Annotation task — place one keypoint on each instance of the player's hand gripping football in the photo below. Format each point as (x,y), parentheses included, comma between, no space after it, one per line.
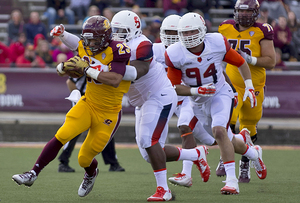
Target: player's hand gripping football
(57,30)
(204,90)
(75,67)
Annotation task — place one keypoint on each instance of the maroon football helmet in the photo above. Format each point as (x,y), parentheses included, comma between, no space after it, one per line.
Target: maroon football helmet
(246,20)
(99,29)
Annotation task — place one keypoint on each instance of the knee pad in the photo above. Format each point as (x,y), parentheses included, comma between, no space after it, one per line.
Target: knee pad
(84,161)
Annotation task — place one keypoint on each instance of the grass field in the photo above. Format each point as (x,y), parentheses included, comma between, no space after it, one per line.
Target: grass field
(137,183)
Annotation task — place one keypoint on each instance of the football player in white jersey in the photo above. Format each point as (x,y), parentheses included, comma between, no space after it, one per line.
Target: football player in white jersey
(197,61)
(155,100)
(186,118)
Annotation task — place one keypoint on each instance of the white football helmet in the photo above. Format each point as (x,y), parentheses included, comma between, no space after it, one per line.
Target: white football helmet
(126,25)
(188,22)
(169,23)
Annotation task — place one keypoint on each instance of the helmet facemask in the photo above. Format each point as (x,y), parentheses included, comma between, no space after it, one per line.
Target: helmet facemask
(99,45)
(191,41)
(169,37)
(121,34)
(246,19)
(191,30)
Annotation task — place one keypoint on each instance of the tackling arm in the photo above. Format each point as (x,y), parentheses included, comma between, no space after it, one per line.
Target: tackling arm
(142,67)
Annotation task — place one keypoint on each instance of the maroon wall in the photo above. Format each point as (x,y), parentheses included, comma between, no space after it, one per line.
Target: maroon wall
(44,91)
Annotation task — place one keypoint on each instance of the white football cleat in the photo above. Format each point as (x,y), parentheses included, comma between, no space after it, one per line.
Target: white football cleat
(26,178)
(181,179)
(160,195)
(260,168)
(231,187)
(246,135)
(202,164)
(87,184)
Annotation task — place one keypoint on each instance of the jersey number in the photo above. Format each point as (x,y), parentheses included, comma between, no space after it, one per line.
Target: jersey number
(195,73)
(243,44)
(123,48)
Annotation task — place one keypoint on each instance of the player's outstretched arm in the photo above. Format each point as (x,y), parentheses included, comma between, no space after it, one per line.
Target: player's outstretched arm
(70,40)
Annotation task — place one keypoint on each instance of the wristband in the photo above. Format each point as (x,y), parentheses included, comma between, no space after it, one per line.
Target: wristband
(59,68)
(253,60)
(248,83)
(194,91)
(130,73)
(93,73)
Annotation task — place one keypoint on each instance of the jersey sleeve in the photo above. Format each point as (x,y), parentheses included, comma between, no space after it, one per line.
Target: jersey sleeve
(144,51)
(121,57)
(234,58)
(267,30)
(173,73)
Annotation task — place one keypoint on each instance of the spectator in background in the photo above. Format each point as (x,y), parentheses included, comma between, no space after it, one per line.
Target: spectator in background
(203,5)
(80,9)
(153,3)
(34,27)
(296,42)
(16,25)
(58,10)
(283,38)
(36,40)
(276,8)
(280,65)
(43,50)
(101,4)
(93,10)
(264,16)
(61,57)
(177,7)
(17,48)
(108,13)
(54,44)
(4,55)
(292,22)
(207,22)
(154,29)
(62,49)
(30,59)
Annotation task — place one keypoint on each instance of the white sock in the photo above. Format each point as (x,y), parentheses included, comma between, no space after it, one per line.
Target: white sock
(239,136)
(161,179)
(251,153)
(230,169)
(188,154)
(187,167)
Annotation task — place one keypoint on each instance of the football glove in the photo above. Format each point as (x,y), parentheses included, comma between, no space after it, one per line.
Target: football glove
(204,90)
(249,59)
(249,92)
(74,67)
(236,101)
(57,30)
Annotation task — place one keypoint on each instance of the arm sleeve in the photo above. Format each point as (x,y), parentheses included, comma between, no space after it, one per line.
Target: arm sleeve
(234,58)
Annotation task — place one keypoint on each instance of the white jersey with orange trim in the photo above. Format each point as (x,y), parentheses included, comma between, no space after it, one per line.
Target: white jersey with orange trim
(156,79)
(203,69)
(159,56)
(159,53)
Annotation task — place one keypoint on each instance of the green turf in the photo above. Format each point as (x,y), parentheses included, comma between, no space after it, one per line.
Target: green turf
(137,183)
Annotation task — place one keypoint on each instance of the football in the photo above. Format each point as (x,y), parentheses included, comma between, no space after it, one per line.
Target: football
(74,73)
